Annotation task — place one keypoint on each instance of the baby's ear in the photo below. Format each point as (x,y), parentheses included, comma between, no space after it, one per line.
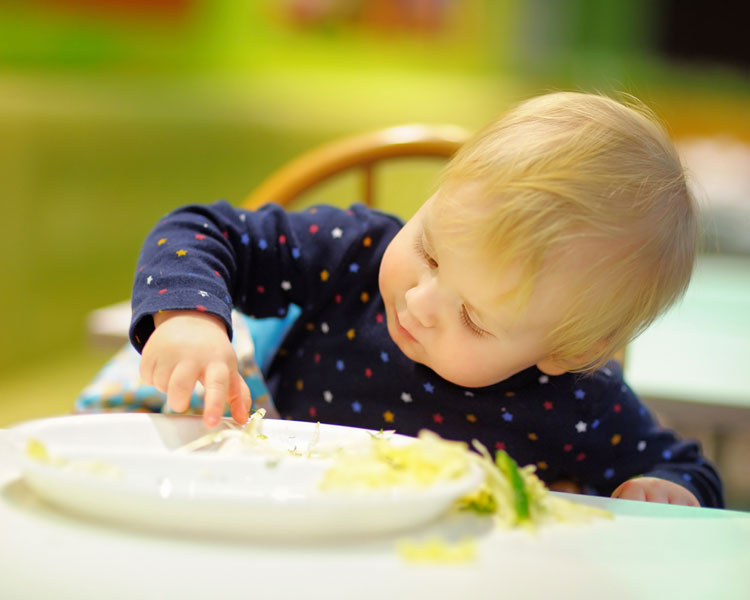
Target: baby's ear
(553,365)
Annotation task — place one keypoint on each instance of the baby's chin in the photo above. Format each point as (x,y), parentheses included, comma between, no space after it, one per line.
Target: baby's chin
(469,380)
(458,379)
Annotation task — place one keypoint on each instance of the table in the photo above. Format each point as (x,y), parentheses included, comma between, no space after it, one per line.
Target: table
(647,551)
(693,364)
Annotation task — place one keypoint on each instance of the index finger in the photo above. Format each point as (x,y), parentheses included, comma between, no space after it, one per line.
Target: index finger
(216,384)
(239,398)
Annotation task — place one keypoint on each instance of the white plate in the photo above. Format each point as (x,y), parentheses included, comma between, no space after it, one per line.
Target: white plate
(206,492)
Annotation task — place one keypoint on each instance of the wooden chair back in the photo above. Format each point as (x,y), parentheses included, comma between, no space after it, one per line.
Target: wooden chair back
(363,153)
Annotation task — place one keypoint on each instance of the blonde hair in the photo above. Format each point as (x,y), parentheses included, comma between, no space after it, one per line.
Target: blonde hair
(570,167)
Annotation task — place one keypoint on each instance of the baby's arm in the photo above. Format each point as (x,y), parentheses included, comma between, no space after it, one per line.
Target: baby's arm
(190,346)
(621,450)
(654,489)
(205,260)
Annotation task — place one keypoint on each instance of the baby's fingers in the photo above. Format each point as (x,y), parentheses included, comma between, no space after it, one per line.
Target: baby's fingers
(146,368)
(216,383)
(654,489)
(630,491)
(239,399)
(161,374)
(181,385)
(679,495)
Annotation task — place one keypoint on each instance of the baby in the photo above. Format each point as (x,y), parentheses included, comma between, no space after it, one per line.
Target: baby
(556,235)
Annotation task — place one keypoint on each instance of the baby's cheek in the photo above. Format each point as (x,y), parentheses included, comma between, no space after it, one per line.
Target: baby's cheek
(462,368)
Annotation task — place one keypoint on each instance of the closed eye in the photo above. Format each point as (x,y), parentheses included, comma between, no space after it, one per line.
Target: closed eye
(419,247)
(473,327)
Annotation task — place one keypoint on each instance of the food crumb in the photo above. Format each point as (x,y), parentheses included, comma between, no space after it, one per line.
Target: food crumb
(437,550)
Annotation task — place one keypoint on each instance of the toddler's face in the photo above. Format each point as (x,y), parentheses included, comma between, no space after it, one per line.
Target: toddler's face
(443,310)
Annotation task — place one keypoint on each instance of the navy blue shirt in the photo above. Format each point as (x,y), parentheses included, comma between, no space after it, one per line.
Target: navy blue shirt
(338,364)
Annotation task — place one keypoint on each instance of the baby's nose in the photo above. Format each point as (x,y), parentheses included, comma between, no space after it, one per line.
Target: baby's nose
(421,302)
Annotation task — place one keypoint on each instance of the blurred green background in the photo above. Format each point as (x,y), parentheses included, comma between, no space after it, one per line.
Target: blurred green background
(113,112)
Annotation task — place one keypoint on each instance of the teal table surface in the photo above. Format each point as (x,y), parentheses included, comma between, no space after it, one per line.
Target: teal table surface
(695,360)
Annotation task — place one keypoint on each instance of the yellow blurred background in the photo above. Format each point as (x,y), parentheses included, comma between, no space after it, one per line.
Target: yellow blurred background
(113,112)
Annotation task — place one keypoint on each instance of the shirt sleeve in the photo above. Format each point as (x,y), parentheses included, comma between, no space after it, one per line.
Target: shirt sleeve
(212,258)
(618,438)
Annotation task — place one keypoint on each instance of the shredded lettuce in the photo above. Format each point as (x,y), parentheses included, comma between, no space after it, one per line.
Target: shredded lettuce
(517,497)
(37,451)
(249,439)
(419,464)
(247,435)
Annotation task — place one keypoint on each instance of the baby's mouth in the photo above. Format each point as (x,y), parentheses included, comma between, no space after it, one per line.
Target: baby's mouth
(404,331)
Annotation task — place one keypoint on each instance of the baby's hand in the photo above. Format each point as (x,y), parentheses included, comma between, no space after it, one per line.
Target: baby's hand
(653,489)
(187,347)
